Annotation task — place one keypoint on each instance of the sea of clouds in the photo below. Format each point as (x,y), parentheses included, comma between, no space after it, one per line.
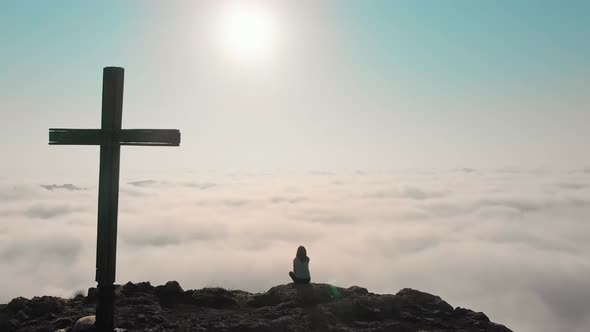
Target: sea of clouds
(511,243)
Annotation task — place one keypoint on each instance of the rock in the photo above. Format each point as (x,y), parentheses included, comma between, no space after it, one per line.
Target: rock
(304,295)
(11,324)
(171,293)
(131,288)
(62,322)
(84,324)
(493,327)
(41,329)
(290,307)
(46,305)
(210,297)
(471,314)
(173,287)
(358,290)
(92,295)
(425,300)
(142,287)
(20,315)
(16,304)
(264,300)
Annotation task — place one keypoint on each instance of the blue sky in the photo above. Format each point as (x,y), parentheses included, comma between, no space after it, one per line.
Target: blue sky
(355,84)
(463,41)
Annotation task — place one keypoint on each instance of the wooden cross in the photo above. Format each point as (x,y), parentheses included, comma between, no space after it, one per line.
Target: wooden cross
(110,138)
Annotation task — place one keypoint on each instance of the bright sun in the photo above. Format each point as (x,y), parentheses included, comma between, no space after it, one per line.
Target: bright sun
(248,32)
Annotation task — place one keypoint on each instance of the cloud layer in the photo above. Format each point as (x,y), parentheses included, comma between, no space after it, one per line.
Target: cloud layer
(511,244)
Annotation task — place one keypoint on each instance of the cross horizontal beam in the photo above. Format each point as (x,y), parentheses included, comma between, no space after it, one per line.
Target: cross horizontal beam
(58,136)
(137,137)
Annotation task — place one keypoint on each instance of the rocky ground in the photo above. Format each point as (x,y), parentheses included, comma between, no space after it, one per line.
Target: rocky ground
(315,307)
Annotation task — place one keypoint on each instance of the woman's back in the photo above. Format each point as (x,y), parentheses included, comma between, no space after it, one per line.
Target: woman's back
(301,268)
(300,273)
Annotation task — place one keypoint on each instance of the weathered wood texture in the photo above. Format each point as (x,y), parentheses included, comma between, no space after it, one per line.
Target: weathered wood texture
(59,136)
(150,137)
(108,187)
(137,137)
(108,196)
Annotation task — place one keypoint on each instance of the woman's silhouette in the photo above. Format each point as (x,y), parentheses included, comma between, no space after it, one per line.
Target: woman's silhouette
(300,273)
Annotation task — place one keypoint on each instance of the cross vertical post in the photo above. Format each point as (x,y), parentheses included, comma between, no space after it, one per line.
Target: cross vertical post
(108,196)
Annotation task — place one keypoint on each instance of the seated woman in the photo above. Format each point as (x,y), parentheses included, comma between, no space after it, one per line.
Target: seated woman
(300,273)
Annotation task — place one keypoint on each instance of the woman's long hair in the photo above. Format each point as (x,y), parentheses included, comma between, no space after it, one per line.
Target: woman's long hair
(302,254)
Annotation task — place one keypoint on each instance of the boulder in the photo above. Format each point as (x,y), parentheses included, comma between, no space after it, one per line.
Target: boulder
(171,293)
(85,324)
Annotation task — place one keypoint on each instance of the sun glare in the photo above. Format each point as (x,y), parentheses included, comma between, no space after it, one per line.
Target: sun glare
(248,32)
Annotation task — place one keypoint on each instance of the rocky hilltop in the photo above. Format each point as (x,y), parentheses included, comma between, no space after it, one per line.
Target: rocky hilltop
(314,307)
